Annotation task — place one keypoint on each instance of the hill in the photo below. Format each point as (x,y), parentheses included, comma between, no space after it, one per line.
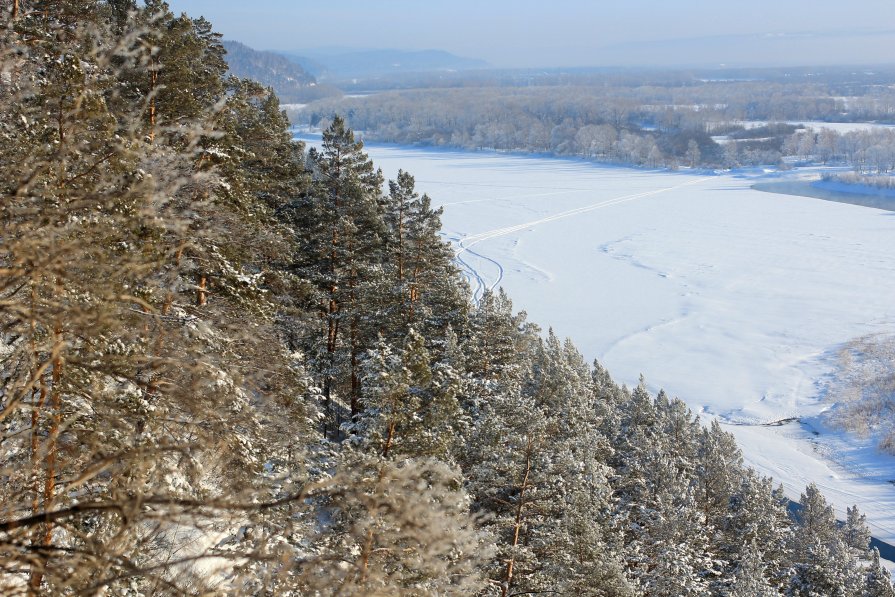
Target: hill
(289,80)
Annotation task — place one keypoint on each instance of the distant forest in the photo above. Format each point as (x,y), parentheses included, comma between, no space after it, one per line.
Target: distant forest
(667,121)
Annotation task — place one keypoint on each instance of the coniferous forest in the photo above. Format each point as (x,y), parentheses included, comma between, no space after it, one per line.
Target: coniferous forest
(229,366)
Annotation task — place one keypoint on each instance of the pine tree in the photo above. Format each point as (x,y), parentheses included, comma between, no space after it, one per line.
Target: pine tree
(826,569)
(444,420)
(183,74)
(341,240)
(386,528)
(433,295)
(73,211)
(855,533)
(669,540)
(719,464)
(261,164)
(397,215)
(750,577)
(817,523)
(577,549)
(395,384)
(123,399)
(824,563)
(719,472)
(878,580)
(495,346)
(758,514)
(414,400)
(534,470)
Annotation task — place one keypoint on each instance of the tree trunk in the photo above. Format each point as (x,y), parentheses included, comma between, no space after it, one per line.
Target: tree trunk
(332,334)
(201,293)
(49,493)
(332,323)
(40,393)
(36,575)
(505,587)
(353,335)
(389,438)
(153,82)
(401,256)
(355,377)
(55,424)
(414,292)
(35,447)
(169,298)
(365,556)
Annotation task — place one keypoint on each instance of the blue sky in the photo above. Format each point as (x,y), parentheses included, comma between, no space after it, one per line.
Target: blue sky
(571,32)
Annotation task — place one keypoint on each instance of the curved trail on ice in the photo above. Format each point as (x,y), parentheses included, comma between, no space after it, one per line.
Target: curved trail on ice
(465,244)
(472,274)
(481,286)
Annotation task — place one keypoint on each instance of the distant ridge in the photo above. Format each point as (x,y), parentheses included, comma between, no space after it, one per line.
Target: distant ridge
(291,82)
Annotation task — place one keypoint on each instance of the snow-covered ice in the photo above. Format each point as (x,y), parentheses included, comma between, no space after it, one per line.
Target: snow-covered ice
(733,299)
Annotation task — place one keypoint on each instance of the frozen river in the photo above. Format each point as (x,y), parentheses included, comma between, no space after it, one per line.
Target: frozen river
(732,299)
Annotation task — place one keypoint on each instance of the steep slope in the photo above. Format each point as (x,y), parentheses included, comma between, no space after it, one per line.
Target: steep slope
(290,81)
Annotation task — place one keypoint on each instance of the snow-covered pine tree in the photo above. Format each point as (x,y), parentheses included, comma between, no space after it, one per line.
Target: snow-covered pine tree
(397,213)
(878,580)
(856,533)
(667,546)
(407,412)
(577,548)
(497,340)
(387,528)
(719,473)
(826,569)
(425,289)
(121,398)
(719,464)
(824,564)
(817,523)
(758,514)
(534,471)
(341,236)
(750,576)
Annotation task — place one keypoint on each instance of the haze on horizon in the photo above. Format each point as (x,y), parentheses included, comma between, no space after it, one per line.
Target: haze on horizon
(570,33)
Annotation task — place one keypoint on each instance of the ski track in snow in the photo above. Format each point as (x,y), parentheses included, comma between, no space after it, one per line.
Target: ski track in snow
(466,243)
(513,197)
(491,285)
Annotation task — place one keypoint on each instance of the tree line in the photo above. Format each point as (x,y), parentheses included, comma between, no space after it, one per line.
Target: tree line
(232,366)
(868,152)
(695,125)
